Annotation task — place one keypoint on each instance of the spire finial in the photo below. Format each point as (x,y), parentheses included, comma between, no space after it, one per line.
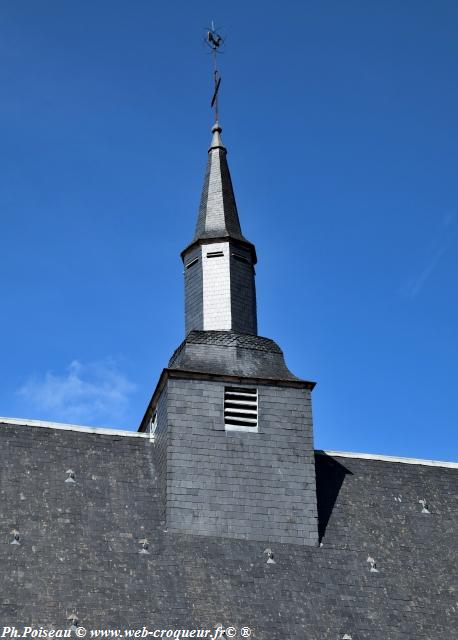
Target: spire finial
(215,41)
(216,142)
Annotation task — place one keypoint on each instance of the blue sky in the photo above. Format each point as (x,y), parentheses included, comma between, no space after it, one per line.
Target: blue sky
(341,124)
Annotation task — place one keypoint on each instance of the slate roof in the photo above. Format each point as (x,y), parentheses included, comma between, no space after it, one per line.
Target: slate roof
(80,547)
(218,216)
(231,353)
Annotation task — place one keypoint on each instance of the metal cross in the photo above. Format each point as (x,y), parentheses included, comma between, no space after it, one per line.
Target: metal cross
(214,41)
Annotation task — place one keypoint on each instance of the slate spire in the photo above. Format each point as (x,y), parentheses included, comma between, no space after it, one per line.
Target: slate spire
(218,216)
(220,293)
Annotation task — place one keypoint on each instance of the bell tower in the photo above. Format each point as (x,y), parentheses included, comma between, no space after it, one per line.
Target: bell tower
(232,426)
(219,263)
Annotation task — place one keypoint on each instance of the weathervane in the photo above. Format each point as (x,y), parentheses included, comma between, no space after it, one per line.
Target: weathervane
(214,40)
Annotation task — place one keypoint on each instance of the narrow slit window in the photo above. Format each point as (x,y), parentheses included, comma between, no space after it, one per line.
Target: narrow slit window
(240,409)
(192,263)
(215,254)
(240,258)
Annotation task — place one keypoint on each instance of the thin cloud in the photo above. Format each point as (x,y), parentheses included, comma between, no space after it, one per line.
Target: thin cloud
(416,284)
(85,392)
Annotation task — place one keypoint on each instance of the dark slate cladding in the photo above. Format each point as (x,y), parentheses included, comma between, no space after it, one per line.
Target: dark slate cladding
(243,291)
(220,292)
(231,353)
(218,216)
(232,339)
(194,312)
(79,549)
(255,485)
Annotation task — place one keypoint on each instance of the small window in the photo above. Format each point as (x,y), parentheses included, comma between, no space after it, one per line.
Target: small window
(215,254)
(240,409)
(192,263)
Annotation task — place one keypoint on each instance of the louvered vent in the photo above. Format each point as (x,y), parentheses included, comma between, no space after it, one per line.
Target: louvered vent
(240,408)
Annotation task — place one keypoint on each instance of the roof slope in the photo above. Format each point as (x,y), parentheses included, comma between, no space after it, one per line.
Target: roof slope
(79,548)
(218,216)
(231,353)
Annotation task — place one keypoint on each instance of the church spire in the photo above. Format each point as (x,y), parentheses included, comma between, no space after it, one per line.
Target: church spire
(220,293)
(219,263)
(218,216)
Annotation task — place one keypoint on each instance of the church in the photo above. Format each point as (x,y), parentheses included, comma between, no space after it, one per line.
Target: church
(217,518)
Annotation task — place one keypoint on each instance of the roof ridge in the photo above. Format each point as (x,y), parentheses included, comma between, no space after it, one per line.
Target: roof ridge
(107,431)
(384,458)
(26,422)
